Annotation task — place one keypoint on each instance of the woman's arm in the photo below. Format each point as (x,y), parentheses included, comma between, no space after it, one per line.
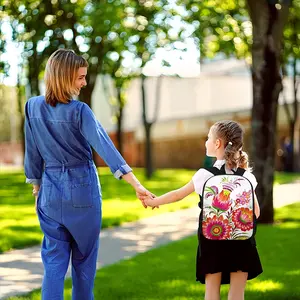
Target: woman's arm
(33,161)
(98,138)
(141,192)
(172,196)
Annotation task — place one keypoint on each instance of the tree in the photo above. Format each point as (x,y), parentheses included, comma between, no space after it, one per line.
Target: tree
(151,27)
(86,27)
(268,20)
(94,29)
(290,59)
(121,78)
(4,67)
(232,27)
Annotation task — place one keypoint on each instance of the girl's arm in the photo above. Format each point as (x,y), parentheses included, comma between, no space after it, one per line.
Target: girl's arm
(172,196)
(256,207)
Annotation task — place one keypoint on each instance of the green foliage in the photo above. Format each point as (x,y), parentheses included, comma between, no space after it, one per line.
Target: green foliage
(221,27)
(291,49)
(98,30)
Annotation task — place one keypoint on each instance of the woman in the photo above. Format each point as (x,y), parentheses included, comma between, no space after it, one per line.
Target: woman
(59,134)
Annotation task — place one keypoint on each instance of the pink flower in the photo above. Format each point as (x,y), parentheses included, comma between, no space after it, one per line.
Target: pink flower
(216,228)
(243,198)
(243,218)
(222,201)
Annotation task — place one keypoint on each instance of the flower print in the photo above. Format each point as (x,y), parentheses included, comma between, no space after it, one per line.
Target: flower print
(221,202)
(216,228)
(244,198)
(211,191)
(243,218)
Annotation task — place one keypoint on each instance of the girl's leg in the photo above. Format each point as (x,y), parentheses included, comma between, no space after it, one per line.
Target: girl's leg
(238,282)
(212,286)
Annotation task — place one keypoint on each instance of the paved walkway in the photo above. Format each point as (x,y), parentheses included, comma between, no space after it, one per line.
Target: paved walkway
(21,270)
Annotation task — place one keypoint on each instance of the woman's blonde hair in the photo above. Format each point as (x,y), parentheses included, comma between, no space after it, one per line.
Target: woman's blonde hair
(231,133)
(60,75)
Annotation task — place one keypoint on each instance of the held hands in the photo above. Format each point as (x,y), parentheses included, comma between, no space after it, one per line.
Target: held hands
(143,194)
(149,201)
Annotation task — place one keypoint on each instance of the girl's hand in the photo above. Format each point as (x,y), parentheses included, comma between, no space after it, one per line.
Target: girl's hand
(149,201)
(143,193)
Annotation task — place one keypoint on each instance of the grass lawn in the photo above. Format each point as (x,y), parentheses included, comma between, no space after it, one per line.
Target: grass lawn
(168,272)
(19,225)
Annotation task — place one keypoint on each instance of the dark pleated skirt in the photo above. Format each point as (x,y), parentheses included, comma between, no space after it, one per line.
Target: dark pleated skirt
(227,257)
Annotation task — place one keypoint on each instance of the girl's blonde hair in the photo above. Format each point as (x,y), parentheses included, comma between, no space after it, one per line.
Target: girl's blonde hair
(60,75)
(231,133)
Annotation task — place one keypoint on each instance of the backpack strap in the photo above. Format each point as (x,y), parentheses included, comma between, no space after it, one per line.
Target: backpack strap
(213,170)
(239,171)
(221,171)
(216,171)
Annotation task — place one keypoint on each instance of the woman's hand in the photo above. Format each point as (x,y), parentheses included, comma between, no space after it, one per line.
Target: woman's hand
(35,193)
(149,201)
(142,193)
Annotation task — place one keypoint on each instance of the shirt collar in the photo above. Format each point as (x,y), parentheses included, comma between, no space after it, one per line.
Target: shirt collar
(219,163)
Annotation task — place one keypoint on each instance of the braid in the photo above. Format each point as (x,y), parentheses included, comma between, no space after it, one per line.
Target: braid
(231,133)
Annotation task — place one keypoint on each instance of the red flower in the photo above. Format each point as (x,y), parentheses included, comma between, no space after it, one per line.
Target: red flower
(243,218)
(216,228)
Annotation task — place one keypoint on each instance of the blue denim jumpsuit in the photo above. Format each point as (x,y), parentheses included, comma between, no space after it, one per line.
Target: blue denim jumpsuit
(58,157)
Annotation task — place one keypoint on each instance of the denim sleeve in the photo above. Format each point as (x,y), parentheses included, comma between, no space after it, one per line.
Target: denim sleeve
(33,162)
(97,137)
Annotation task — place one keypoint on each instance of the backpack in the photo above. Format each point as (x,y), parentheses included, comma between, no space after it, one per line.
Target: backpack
(227,206)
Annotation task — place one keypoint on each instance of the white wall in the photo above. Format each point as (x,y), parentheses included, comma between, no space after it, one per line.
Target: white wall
(181,99)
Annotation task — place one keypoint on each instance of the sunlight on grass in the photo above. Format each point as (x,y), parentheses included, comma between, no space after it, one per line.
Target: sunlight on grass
(264,286)
(168,272)
(282,178)
(172,284)
(294,272)
(19,225)
(289,225)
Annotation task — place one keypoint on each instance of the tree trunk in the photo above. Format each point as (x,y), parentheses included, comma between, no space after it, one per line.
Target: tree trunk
(297,145)
(293,128)
(20,96)
(33,74)
(120,121)
(148,159)
(268,23)
(147,127)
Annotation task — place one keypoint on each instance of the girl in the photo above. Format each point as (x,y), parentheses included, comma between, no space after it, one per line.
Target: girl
(226,261)
(59,133)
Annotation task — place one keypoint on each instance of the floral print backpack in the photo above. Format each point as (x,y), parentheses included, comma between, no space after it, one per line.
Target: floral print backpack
(227,206)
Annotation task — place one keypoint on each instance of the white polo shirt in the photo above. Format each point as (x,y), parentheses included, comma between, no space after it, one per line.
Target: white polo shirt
(202,175)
